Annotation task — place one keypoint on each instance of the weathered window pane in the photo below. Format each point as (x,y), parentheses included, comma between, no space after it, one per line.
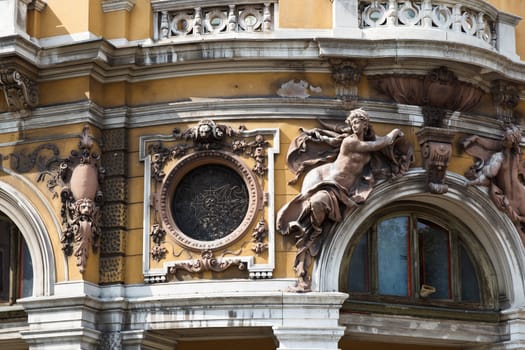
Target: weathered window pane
(434,258)
(358,271)
(392,256)
(26,278)
(469,280)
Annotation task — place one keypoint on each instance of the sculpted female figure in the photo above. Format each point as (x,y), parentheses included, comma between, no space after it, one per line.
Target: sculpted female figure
(499,168)
(332,189)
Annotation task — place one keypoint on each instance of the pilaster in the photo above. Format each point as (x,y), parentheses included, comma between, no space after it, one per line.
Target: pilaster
(61,322)
(310,321)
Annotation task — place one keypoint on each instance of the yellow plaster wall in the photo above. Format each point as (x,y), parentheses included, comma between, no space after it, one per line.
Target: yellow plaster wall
(141,21)
(62,91)
(305,14)
(116,24)
(61,17)
(224,85)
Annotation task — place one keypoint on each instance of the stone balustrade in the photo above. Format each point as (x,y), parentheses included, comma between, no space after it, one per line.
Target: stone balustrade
(472,18)
(188,18)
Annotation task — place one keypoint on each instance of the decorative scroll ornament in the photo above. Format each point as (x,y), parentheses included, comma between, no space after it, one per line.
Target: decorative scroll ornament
(79,176)
(346,75)
(499,167)
(20,92)
(436,150)
(207,262)
(342,176)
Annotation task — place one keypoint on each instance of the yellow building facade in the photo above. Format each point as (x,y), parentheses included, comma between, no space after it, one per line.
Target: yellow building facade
(150,150)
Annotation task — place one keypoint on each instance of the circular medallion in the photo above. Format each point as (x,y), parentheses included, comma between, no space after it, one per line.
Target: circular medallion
(208,200)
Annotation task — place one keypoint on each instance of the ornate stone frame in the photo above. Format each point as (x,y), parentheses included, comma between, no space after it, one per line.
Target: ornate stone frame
(246,260)
(191,162)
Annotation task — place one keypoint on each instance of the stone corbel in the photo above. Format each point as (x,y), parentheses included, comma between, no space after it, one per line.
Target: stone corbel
(346,75)
(506,97)
(20,92)
(436,150)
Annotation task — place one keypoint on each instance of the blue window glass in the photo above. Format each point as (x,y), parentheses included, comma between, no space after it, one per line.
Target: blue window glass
(469,280)
(434,256)
(393,256)
(358,271)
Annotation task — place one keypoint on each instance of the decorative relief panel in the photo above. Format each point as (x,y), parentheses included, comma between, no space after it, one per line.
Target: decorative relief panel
(465,18)
(207,186)
(185,18)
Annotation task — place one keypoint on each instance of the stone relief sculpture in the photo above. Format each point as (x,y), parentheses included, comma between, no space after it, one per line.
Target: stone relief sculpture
(498,166)
(345,164)
(79,175)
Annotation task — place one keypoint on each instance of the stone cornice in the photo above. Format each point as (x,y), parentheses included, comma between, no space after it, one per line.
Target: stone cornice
(239,109)
(106,63)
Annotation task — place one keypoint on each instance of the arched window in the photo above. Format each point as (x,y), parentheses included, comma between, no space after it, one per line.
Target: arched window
(415,254)
(16,269)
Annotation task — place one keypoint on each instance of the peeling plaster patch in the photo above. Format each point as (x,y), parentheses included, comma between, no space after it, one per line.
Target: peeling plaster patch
(297,89)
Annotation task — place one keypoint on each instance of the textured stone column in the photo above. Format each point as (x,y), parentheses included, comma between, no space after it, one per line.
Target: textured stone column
(310,321)
(114,216)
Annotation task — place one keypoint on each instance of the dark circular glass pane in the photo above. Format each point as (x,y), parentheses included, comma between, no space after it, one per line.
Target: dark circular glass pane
(210,202)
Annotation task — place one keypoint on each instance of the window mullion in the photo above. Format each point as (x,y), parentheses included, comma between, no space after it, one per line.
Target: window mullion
(13,264)
(414,261)
(374,272)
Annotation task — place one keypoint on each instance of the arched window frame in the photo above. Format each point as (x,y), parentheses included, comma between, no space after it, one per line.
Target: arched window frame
(492,228)
(459,235)
(16,206)
(15,264)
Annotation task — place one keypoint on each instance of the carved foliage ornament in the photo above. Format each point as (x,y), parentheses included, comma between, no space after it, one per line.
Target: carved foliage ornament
(20,92)
(79,177)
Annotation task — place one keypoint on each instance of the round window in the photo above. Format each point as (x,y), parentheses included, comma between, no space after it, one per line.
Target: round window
(208,200)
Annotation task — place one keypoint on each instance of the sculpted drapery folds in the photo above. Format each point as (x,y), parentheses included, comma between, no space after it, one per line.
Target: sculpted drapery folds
(343,164)
(498,166)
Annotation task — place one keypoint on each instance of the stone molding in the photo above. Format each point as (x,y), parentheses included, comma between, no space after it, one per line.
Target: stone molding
(117,5)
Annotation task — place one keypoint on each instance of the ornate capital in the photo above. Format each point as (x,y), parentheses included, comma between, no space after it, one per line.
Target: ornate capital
(506,97)
(20,92)
(346,75)
(436,150)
